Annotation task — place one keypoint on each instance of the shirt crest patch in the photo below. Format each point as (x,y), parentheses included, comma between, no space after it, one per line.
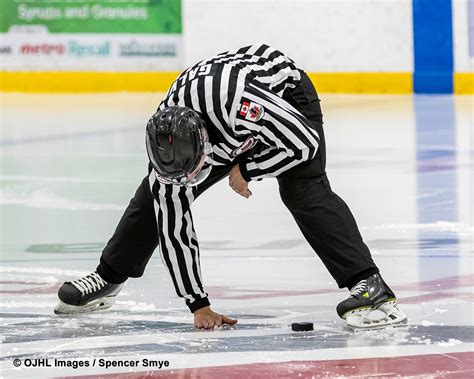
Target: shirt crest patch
(251,111)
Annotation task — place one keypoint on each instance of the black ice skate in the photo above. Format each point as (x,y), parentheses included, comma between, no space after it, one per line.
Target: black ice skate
(372,304)
(86,294)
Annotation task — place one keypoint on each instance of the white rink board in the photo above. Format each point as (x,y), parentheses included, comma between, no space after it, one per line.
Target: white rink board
(321,35)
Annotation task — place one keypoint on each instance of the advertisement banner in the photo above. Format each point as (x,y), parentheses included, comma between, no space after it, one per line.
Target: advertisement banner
(91,35)
(93,16)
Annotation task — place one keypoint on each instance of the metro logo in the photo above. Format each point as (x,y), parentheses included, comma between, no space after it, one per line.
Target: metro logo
(46,49)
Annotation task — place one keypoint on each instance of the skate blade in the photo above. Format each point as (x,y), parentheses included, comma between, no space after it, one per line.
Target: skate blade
(62,308)
(387,314)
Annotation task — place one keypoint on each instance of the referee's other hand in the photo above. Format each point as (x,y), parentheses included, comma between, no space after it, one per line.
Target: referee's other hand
(206,318)
(238,183)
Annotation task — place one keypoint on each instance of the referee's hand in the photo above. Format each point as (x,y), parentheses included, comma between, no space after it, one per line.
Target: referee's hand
(238,183)
(206,318)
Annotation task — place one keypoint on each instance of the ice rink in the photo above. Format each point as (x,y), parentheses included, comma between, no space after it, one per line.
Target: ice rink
(404,164)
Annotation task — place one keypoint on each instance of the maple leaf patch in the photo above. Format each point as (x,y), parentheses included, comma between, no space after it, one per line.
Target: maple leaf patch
(251,111)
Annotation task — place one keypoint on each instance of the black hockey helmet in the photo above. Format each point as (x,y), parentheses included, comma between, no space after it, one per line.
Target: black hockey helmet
(178,146)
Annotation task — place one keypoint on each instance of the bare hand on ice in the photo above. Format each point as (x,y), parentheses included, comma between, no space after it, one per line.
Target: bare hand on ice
(208,319)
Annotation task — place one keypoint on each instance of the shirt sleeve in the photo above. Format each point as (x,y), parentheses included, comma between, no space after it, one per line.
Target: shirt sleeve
(178,244)
(271,120)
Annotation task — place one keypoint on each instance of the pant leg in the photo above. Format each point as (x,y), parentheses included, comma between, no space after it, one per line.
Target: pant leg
(134,240)
(322,216)
(136,236)
(329,227)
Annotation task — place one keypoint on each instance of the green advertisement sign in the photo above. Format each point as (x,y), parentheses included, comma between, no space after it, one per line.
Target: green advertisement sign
(93,16)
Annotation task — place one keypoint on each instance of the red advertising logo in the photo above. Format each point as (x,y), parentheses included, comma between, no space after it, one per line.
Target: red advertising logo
(43,49)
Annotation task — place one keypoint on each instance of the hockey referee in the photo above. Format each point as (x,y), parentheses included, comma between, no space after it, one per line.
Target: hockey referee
(246,114)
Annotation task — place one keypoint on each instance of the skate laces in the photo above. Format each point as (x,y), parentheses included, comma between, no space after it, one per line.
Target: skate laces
(90,283)
(359,288)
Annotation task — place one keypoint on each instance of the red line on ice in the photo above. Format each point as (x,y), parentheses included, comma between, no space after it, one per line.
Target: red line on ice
(45,287)
(452,365)
(435,285)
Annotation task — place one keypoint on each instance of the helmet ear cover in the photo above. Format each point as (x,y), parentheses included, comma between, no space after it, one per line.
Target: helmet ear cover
(175,143)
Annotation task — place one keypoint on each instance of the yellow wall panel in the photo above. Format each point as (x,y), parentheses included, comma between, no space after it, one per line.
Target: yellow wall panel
(367,82)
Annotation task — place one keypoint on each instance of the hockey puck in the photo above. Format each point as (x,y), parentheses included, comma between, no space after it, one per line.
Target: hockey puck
(302,326)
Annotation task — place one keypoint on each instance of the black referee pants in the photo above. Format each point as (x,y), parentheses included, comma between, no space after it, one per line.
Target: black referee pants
(322,216)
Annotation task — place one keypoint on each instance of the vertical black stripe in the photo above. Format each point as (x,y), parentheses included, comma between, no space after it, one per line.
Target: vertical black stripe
(187,239)
(261,50)
(243,50)
(176,93)
(201,94)
(194,241)
(231,88)
(164,249)
(176,244)
(216,100)
(187,95)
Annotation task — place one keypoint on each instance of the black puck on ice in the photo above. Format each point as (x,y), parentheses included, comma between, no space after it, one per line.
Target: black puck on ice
(302,326)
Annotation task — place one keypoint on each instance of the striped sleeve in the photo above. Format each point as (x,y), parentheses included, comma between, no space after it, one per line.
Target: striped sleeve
(271,120)
(178,245)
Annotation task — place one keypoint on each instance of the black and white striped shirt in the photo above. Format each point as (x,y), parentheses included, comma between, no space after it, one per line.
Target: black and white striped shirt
(239,94)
